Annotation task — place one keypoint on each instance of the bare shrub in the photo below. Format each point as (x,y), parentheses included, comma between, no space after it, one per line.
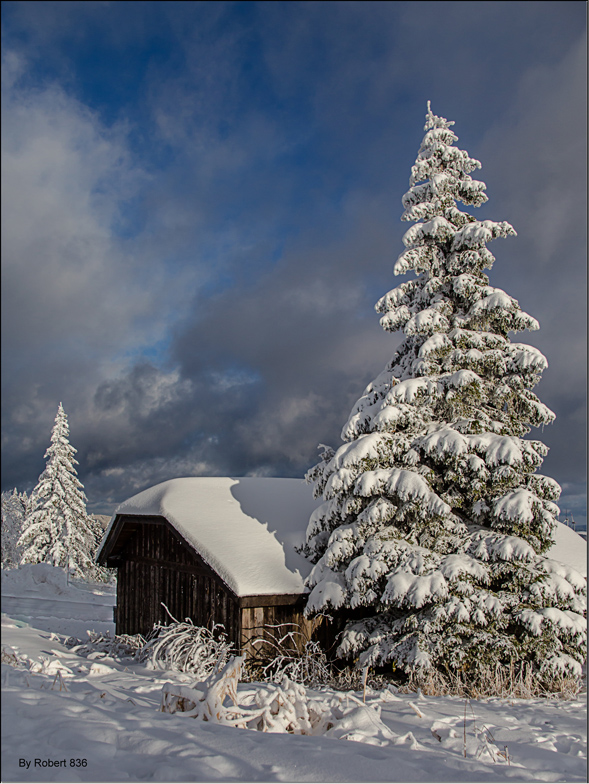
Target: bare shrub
(11,657)
(287,651)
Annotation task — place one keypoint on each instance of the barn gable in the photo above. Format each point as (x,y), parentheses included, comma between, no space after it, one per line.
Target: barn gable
(215,549)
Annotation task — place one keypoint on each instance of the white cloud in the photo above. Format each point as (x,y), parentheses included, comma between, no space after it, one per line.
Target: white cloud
(80,298)
(67,278)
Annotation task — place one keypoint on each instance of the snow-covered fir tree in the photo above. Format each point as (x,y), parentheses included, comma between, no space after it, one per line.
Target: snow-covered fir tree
(57,529)
(434,522)
(14,511)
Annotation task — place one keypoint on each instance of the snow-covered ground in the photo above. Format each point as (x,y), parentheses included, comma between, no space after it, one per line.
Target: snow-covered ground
(100,719)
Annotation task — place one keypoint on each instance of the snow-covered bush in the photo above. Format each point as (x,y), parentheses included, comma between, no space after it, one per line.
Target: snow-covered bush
(179,646)
(184,647)
(57,529)
(284,707)
(431,536)
(117,646)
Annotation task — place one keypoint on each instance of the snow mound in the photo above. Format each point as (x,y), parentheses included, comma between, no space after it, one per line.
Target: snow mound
(31,577)
(569,548)
(41,579)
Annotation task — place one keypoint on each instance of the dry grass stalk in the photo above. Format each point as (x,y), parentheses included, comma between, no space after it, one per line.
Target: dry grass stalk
(59,677)
(512,682)
(116,646)
(286,650)
(184,647)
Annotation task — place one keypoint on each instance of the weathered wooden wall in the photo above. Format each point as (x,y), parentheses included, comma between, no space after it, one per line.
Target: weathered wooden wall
(274,621)
(156,568)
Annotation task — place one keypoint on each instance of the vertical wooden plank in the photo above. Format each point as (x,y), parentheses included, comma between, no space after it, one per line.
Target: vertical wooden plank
(140,575)
(208,600)
(238,625)
(143,594)
(140,582)
(259,621)
(156,592)
(151,608)
(245,628)
(130,602)
(200,612)
(138,603)
(271,620)
(191,597)
(144,569)
(228,617)
(183,595)
(197,600)
(232,632)
(172,596)
(161,593)
(138,588)
(165,596)
(121,597)
(215,602)
(124,594)
(224,619)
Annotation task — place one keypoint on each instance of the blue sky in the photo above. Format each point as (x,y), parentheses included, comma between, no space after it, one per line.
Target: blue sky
(201,205)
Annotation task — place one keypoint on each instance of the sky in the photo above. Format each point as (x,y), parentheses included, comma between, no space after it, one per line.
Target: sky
(201,204)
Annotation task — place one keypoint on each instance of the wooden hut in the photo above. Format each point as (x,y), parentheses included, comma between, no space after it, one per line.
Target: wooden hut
(212,549)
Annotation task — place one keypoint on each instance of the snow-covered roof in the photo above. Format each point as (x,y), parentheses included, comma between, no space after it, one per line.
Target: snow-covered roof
(246,529)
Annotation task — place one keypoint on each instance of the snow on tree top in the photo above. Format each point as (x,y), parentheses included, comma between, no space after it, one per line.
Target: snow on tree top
(246,529)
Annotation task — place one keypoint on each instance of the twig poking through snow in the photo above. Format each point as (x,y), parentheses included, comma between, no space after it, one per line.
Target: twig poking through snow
(416,709)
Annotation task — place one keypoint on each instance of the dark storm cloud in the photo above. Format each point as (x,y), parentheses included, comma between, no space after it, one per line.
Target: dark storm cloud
(538,175)
(268,373)
(196,279)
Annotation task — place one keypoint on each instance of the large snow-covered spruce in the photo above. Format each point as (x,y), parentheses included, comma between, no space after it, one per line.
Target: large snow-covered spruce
(434,520)
(57,529)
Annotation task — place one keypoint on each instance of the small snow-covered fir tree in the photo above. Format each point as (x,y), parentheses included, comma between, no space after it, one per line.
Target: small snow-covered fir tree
(14,511)
(434,521)
(57,529)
